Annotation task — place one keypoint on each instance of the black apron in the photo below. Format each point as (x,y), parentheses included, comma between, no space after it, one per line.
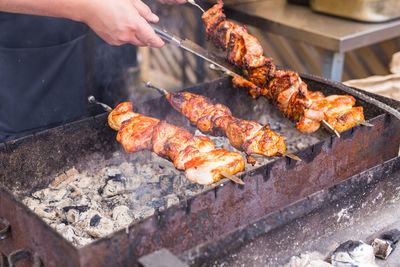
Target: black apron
(42,73)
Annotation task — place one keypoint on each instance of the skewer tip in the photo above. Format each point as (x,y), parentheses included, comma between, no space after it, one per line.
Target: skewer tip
(92,100)
(232,177)
(330,128)
(364,123)
(160,90)
(290,155)
(192,2)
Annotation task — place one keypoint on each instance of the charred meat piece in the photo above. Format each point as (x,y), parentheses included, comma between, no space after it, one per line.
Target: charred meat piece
(285,88)
(136,133)
(196,155)
(247,136)
(206,167)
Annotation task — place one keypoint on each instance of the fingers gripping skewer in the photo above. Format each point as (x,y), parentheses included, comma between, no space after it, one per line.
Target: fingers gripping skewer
(195,4)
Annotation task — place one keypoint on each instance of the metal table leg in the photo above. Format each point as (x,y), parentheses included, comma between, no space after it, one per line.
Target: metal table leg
(332,65)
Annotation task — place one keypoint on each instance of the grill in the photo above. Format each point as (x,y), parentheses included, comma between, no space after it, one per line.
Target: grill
(211,216)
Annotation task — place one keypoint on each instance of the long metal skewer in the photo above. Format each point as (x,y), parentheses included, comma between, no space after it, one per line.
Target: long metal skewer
(107,108)
(364,123)
(93,100)
(232,177)
(195,4)
(330,128)
(289,155)
(164,92)
(160,90)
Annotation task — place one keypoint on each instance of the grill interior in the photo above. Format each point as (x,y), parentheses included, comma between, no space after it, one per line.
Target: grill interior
(32,163)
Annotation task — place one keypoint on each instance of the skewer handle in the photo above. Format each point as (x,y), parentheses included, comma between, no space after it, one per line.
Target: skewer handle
(166,36)
(93,100)
(160,90)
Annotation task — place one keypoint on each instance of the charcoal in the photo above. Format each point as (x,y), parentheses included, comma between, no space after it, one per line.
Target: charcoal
(353,254)
(313,259)
(166,182)
(78,208)
(391,235)
(144,183)
(72,216)
(95,220)
(121,216)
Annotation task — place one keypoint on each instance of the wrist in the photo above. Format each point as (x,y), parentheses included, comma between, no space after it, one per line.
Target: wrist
(77,10)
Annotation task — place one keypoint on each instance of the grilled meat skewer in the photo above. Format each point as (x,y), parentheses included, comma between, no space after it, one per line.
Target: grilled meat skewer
(196,155)
(248,136)
(284,88)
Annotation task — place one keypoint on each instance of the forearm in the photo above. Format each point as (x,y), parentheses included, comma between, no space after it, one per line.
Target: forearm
(71,9)
(116,21)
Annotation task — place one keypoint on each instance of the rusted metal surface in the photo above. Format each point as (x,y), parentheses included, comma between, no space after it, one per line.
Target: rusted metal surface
(28,231)
(28,163)
(313,224)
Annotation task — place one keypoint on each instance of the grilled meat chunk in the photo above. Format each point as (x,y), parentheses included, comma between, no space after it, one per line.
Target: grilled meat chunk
(285,88)
(196,155)
(247,136)
(207,167)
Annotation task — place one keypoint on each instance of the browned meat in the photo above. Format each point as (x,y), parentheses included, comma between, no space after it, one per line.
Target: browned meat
(207,167)
(120,114)
(244,84)
(194,154)
(247,136)
(284,88)
(136,133)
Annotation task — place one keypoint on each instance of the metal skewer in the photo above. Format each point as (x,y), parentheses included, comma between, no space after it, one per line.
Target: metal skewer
(330,128)
(323,122)
(289,155)
(232,177)
(364,123)
(224,71)
(93,100)
(107,108)
(160,90)
(195,4)
(165,92)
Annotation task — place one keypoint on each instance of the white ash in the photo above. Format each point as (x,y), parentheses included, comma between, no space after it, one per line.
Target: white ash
(353,253)
(313,259)
(110,193)
(93,203)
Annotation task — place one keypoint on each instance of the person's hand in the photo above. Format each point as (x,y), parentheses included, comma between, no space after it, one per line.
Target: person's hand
(122,21)
(172,2)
